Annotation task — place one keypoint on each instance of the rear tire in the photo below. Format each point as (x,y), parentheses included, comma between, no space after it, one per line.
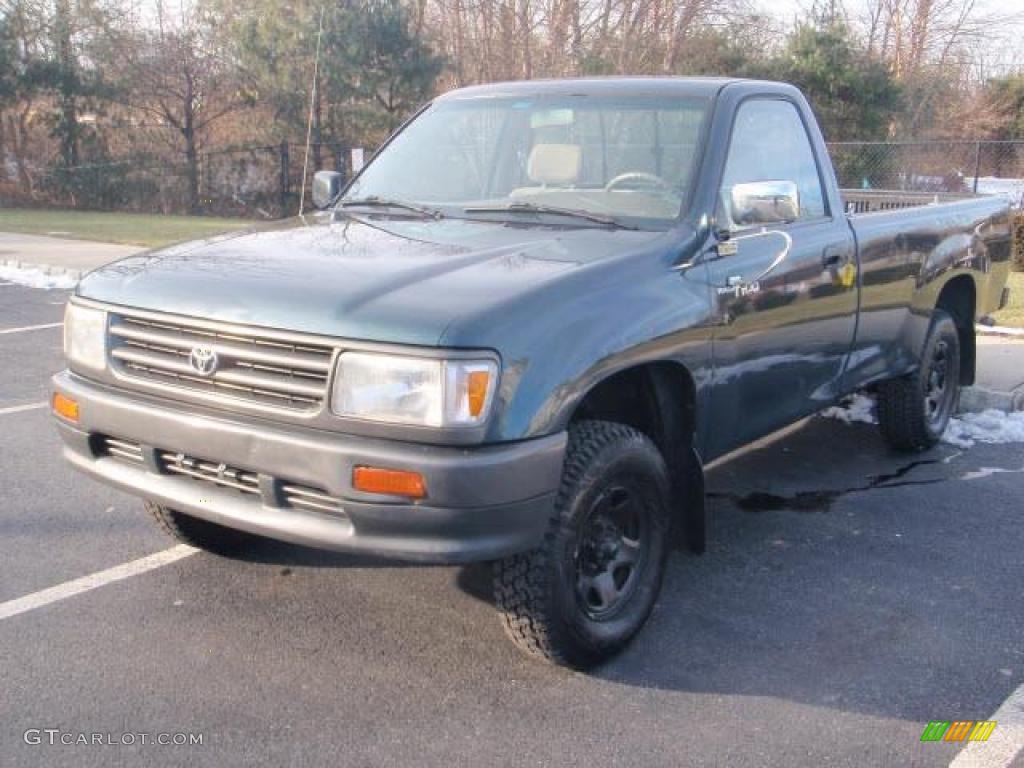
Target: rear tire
(581,596)
(914,410)
(218,539)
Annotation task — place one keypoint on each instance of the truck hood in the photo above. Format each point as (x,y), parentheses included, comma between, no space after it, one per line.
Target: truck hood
(370,278)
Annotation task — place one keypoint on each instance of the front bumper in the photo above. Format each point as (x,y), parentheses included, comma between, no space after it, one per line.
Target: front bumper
(482,502)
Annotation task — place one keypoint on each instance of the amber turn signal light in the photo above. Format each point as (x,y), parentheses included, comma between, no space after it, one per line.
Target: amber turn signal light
(476,386)
(393,482)
(65,407)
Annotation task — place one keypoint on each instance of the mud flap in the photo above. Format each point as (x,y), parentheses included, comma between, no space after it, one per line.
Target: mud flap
(694,529)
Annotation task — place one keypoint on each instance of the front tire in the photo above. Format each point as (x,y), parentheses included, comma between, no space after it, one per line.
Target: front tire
(581,596)
(218,539)
(914,410)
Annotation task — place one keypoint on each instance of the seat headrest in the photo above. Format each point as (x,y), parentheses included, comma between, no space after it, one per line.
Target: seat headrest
(554,163)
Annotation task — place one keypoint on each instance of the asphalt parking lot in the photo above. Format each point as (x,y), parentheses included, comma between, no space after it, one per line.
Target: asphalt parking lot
(849,596)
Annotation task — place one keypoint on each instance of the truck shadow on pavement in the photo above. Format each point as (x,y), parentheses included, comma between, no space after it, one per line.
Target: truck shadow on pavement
(841,574)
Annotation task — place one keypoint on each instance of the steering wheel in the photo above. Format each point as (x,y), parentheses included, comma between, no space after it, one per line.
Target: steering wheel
(646,179)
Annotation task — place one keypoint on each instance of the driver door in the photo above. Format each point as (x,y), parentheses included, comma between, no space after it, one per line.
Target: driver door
(785,292)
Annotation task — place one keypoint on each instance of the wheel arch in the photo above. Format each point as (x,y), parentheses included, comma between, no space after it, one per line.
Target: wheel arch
(659,398)
(959,297)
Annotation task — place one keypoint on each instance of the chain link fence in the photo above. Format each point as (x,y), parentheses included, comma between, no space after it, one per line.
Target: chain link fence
(940,167)
(265,182)
(262,182)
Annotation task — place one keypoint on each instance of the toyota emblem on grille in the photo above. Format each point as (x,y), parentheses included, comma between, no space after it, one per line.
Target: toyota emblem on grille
(203,360)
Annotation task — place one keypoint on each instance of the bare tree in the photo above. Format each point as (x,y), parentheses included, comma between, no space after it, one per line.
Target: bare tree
(178,73)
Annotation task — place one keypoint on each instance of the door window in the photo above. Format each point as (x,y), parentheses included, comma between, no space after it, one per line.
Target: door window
(769,143)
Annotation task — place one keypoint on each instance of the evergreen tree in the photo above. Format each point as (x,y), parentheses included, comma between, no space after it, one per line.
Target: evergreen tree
(1006,94)
(375,66)
(394,69)
(854,96)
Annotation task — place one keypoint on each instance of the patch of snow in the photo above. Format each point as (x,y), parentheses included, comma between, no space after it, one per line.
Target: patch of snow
(981,474)
(36,278)
(989,426)
(1000,330)
(857,408)
(1011,189)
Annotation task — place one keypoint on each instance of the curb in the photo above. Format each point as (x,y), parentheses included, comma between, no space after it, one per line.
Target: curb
(998,330)
(46,269)
(978,399)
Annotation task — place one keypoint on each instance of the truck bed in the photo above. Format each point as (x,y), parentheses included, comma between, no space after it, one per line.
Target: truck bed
(857,201)
(861,201)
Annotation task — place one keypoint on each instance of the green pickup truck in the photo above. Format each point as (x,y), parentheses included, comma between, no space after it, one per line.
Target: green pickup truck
(520,333)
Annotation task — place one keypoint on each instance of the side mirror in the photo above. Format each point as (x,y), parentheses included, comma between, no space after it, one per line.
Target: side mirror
(764,202)
(326,188)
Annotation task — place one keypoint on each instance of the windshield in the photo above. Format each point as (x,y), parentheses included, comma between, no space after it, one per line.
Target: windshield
(631,159)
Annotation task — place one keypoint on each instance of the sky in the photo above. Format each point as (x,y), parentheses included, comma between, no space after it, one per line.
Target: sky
(1003,49)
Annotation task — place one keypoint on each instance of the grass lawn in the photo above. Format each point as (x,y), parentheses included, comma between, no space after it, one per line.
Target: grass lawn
(1013,314)
(150,230)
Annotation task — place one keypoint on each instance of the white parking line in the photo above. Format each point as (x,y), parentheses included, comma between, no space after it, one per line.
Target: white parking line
(1006,741)
(30,328)
(94,580)
(20,408)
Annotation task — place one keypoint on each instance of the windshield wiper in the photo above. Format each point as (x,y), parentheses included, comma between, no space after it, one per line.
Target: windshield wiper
(599,218)
(375,201)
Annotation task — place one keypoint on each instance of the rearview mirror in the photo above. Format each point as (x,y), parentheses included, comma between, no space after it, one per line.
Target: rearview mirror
(326,188)
(764,202)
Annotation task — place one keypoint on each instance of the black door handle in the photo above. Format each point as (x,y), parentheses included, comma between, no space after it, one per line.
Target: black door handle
(832,258)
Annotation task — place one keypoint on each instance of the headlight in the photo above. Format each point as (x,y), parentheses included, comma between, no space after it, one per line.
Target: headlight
(414,390)
(85,337)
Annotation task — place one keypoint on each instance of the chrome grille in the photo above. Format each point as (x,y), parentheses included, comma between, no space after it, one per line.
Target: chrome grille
(290,494)
(251,367)
(303,497)
(210,472)
(120,449)
(293,495)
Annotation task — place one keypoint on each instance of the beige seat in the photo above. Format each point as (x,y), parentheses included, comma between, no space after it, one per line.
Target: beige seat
(557,164)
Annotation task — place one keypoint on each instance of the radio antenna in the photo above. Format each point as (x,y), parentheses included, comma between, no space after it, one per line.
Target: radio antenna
(312,102)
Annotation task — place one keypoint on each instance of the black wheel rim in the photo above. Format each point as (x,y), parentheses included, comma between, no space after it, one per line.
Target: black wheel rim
(939,388)
(611,550)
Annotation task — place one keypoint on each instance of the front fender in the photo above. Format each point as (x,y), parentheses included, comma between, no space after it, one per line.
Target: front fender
(594,331)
